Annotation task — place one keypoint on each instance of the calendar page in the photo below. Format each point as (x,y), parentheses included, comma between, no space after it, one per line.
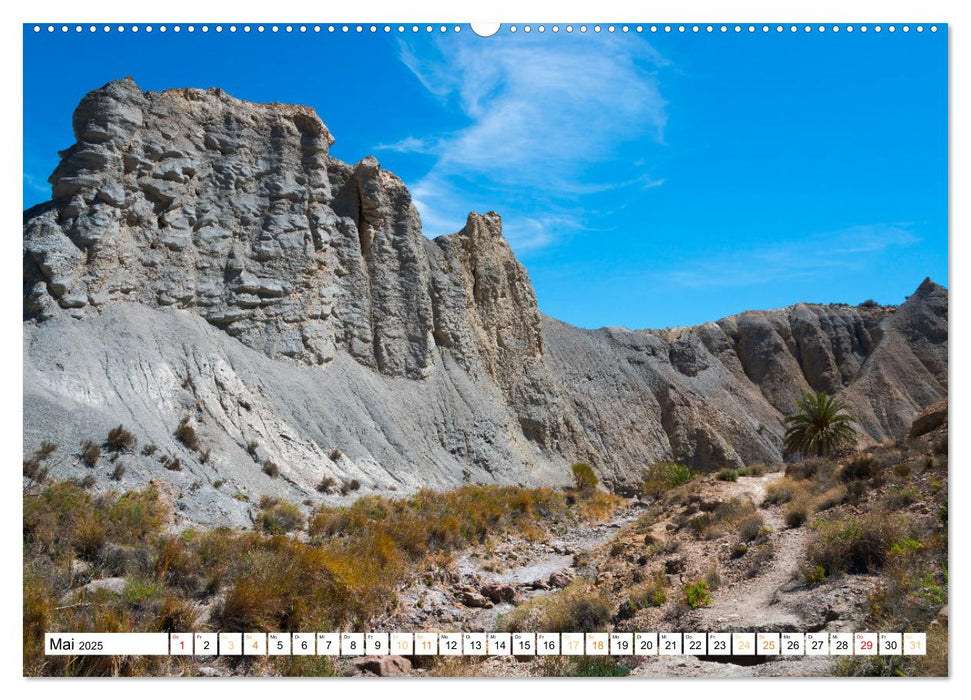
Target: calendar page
(543,349)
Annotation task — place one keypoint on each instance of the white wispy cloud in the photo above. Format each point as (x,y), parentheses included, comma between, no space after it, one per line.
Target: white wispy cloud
(845,249)
(542,113)
(37,183)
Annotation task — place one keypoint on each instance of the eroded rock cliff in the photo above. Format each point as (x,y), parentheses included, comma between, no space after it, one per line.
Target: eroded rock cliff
(205,259)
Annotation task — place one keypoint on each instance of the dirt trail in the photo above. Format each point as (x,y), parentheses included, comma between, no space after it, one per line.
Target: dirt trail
(761,601)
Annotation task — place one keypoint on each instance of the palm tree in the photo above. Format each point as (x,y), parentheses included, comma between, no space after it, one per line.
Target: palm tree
(819,426)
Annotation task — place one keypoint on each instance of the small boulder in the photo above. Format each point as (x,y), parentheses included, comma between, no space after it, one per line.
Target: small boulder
(115,585)
(499,592)
(559,579)
(384,665)
(472,599)
(930,418)
(210,672)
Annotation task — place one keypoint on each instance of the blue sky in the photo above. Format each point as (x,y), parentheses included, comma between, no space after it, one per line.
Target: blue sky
(644,180)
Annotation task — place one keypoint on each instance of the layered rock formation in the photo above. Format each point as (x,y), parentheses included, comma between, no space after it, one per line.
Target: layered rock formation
(204,258)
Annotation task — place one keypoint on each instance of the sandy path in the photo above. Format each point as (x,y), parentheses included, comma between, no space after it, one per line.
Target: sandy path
(759,602)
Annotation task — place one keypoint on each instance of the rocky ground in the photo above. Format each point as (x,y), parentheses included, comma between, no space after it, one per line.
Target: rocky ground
(760,586)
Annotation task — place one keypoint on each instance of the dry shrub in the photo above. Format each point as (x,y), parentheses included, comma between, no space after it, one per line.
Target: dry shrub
(277,516)
(135,515)
(186,434)
(854,545)
(45,450)
(120,440)
(580,607)
(797,513)
(90,453)
(751,528)
(725,515)
(856,490)
(784,490)
(813,467)
(650,594)
(176,563)
(430,521)
(861,466)
(831,498)
(38,619)
(175,615)
(34,471)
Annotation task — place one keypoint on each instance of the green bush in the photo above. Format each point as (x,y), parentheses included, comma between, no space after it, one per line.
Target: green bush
(728,475)
(697,594)
(584,477)
(664,476)
(901,497)
(596,667)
